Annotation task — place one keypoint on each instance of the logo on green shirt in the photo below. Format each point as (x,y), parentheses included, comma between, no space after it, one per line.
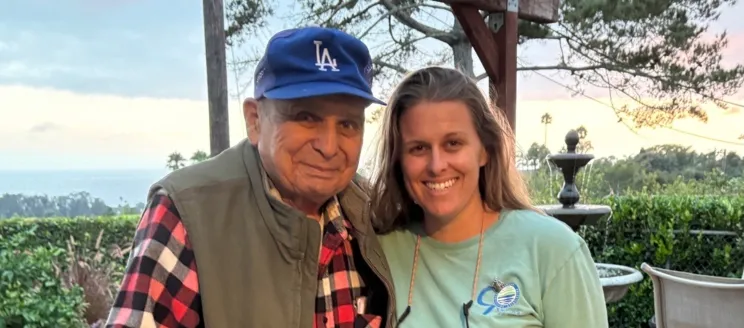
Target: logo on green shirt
(498,296)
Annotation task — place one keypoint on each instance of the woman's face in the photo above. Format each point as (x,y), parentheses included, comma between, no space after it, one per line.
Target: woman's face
(441,157)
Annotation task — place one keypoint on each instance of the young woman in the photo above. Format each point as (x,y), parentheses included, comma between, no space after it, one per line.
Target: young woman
(465,247)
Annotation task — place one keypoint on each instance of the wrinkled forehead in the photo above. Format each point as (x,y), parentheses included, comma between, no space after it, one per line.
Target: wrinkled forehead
(333,105)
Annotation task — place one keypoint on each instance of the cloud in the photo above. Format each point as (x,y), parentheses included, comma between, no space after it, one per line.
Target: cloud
(44,127)
(100,49)
(20,70)
(7,47)
(103,131)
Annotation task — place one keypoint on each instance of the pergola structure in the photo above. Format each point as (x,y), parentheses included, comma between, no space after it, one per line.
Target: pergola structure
(495,37)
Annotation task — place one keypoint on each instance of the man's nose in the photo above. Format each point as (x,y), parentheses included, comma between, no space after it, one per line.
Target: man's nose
(437,161)
(326,141)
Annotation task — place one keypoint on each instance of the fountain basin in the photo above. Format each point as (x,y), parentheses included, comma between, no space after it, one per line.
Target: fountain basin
(577,215)
(571,157)
(616,280)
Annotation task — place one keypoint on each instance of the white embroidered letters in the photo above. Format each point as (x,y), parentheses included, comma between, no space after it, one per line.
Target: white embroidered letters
(323,58)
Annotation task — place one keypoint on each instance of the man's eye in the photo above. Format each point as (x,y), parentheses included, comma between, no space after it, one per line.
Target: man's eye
(350,125)
(306,117)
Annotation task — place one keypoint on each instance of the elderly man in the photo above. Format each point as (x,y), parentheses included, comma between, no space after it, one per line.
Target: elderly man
(272,232)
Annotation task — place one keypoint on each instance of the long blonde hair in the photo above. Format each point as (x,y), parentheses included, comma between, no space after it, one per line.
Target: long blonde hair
(500,183)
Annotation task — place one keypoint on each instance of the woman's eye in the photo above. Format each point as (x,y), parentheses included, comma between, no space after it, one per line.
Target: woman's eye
(453,145)
(416,149)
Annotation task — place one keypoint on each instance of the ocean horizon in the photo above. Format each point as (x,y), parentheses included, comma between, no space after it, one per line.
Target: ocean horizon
(113,186)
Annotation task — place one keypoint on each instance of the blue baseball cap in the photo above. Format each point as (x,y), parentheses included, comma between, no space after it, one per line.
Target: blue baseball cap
(314,61)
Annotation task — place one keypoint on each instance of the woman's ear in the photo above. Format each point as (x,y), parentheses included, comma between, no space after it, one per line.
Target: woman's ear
(483,159)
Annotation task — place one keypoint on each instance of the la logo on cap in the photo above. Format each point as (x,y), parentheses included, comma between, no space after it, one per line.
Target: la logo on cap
(323,58)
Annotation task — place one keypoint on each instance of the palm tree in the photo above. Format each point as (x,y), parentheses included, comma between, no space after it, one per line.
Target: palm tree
(175,161)
(198,156)
(546,119)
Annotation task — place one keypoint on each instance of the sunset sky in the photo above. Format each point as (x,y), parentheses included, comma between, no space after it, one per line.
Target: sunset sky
(104,84)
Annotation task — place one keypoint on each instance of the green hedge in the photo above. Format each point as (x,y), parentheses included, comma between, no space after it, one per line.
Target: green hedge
(31,291)
(36,285)
(642,229)
(117,230)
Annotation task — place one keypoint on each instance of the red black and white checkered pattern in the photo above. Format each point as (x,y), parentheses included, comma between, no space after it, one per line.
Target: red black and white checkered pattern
(341,291)
(161,289)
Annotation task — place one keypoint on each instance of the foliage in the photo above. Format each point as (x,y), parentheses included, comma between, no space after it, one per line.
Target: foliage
(88,256)
(245,18)
(640,50)
(663,169)
(659,45)
(177,161)
(56,232)
(74,204)
(97,271)
(660,230)
(31,292)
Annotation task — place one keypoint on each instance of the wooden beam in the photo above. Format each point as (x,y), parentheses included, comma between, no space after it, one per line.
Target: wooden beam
(480,36)
(538,11)
(214,41)
(507,39)
(497,53)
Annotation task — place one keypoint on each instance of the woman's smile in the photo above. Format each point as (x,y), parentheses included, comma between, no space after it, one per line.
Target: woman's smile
(440,187)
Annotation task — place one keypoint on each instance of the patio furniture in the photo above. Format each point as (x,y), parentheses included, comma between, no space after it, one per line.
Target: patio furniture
(687,300)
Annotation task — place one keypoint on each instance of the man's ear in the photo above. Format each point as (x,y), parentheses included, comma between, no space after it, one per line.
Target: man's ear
(250,114)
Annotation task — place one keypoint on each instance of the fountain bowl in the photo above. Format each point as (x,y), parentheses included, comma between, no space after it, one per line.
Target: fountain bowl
(616,280)
(577,157)
(576,215)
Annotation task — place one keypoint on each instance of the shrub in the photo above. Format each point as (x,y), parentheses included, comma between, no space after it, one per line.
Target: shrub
(117,231)
(88,269)
(89,254)
(31,292)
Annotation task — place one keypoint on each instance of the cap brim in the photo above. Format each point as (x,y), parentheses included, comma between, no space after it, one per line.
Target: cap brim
(314,89)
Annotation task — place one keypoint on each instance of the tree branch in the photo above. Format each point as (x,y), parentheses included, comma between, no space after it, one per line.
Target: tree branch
(397,68)
(409,21)
(347,20)
(559,67)
(398,9)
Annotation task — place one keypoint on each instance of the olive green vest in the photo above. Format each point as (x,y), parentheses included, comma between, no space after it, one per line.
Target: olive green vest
(257,258)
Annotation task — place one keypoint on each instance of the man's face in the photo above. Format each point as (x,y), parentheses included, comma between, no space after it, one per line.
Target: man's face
(309,147)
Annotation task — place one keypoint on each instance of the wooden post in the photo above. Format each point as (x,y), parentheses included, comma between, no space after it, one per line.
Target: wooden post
(506,86)
(214,41)
(498,51)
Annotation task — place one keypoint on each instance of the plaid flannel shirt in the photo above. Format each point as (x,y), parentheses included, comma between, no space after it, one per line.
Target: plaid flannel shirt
(161,289)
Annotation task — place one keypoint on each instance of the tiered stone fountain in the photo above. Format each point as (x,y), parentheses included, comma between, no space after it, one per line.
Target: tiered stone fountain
(615,279)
